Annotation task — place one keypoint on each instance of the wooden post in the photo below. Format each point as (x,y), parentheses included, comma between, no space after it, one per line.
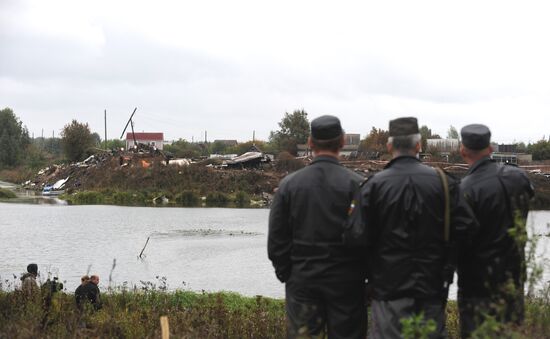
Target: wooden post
(141,253)
(105,117)
(164,327)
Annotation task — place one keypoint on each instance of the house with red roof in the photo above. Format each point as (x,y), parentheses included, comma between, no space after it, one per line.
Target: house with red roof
(147,138)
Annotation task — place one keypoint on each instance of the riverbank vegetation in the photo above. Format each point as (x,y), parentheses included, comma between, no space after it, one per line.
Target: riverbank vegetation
(6,194)
(136,313)
(187,198)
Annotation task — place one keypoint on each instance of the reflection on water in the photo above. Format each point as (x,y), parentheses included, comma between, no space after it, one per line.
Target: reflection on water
(29,197)
(196,248)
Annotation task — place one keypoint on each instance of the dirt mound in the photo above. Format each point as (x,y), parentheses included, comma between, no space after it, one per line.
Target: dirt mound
(146,173)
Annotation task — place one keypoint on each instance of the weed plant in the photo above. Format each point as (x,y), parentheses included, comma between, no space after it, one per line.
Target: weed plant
(187,198)
(135,313)
(6,194)
(217,199)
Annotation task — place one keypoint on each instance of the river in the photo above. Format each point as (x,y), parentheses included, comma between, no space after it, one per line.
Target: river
(209,249)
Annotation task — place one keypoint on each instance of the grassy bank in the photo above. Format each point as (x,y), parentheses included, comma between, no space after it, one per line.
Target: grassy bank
(186,198)
(6,194)
(136,314)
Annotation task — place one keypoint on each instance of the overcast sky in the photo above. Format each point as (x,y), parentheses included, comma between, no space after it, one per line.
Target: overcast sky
(231,67)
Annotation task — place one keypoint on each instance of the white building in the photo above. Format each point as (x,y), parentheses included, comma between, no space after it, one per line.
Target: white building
(154,139)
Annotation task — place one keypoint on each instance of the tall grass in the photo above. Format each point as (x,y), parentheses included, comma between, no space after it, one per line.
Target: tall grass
(136,314)
(6,194)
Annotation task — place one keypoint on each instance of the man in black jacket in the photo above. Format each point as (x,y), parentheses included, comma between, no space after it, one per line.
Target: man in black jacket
(491,272)
(410,261)
(324,280)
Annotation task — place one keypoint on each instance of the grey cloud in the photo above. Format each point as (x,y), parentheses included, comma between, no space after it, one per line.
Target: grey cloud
(124,58)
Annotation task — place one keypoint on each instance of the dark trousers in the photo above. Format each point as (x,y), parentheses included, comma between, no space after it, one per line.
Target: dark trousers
(320,309)
(387,315)
(473,311)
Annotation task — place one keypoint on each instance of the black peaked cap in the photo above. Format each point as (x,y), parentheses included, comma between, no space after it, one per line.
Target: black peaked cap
(403,126)
(476,136)
(326,127)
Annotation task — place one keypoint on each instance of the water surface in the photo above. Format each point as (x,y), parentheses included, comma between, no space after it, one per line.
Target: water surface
(208,249)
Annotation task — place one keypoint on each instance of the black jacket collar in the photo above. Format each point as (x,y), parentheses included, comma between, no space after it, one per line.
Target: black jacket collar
(480,163)
(325,158)
(401,158)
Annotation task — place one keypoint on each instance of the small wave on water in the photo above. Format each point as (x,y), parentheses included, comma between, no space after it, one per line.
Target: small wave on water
(204,232)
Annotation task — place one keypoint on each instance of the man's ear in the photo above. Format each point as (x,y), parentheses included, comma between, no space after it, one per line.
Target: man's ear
(463,153)
(309,142)
(418,147)
(389,147)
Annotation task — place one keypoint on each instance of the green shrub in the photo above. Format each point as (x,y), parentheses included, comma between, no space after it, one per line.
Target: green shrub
(242,199)
(6,194)
(187,198)
(122,198)
(86,198)
(135,314)
(217,199)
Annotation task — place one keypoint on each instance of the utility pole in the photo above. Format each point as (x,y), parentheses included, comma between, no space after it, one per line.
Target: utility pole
(105,118)
(253,137)
(205,137)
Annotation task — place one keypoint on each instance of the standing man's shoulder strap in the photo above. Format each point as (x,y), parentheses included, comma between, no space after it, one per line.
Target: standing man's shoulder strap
(447,215)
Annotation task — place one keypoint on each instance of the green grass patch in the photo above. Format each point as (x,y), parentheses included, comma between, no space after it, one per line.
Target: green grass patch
(136,314)
(7,194)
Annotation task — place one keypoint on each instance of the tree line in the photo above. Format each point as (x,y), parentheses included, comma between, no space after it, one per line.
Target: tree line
(77,142)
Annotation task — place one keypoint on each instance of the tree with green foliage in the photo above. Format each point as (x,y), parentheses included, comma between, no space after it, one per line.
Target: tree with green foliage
(97,139)
(14,139)
(244,147)
(218,147)
(452,133)
(184,149)
(540,150)
(115,144)
(77,141)
(376,141)
(293,130)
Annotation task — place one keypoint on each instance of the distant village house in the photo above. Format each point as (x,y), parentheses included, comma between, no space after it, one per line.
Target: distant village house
(146,138)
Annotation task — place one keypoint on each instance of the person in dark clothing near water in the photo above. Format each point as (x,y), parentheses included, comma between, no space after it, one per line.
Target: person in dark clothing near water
(79,293)
(491,273)
(88,291)
(410,252)
(324,279)
(28,280)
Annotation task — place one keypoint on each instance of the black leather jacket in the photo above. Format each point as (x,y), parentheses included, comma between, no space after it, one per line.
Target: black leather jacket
(306,224)
(402,209)
(496,192)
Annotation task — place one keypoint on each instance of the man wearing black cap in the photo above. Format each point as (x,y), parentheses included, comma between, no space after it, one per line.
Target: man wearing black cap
(411,214)
(491,270)
(324,279)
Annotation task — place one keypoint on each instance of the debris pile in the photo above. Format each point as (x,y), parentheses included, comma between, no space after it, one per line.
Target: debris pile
(159,174)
